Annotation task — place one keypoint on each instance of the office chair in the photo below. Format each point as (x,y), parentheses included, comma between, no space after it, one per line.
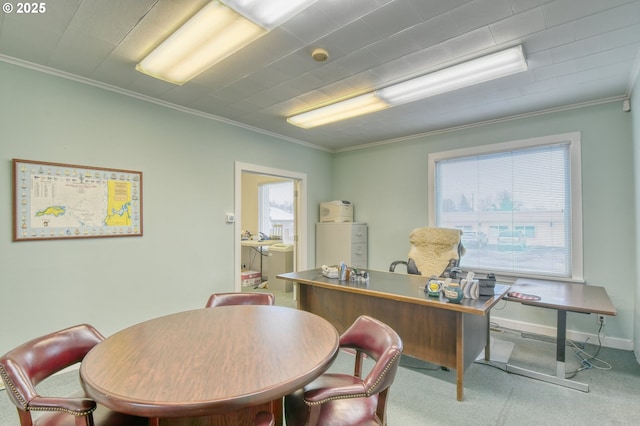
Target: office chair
(350,399)
(433,252)
(226,299)
(32,362)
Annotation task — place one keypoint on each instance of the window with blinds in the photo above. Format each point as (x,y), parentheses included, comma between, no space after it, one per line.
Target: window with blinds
(517,203)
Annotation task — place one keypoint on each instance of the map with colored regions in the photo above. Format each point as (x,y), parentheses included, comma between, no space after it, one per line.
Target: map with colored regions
(59,201)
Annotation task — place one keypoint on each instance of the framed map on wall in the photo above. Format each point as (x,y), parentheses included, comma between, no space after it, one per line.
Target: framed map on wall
(63,201)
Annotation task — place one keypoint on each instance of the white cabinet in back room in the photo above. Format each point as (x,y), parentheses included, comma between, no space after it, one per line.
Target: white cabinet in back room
(341,242)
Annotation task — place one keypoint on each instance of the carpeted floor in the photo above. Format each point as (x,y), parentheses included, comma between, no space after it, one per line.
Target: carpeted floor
(424,394)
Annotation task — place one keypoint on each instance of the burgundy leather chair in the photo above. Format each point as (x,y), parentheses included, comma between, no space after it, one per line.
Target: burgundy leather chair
(226,299)
(30,363)
(264,418)
(347,399)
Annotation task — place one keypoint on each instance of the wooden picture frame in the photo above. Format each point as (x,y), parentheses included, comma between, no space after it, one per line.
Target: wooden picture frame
(66,201)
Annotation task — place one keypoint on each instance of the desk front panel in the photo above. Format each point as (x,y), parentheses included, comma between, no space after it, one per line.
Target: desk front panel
(428,333)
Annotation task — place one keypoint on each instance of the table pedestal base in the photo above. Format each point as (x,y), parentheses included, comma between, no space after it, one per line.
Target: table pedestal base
(242,417)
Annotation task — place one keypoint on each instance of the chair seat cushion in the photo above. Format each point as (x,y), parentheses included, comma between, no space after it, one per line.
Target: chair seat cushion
(346,411)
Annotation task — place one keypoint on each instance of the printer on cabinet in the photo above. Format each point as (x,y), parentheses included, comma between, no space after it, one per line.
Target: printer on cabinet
(336,211)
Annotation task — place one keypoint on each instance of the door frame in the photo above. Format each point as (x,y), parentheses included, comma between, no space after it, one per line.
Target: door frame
(300,209)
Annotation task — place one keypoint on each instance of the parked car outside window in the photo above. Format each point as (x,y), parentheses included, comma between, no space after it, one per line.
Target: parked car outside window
(474,239)
(513,240)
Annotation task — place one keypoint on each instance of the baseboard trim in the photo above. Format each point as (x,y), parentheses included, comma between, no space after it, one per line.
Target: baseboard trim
(579,336)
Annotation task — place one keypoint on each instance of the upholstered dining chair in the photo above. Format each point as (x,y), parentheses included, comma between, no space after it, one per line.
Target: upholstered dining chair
(351,399)
(226,299)
(27,365)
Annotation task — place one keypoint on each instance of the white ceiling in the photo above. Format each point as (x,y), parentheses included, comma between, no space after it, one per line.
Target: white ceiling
(578,51)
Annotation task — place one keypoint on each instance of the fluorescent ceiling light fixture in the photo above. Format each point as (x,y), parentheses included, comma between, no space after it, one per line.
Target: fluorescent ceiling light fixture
(363,104)
(486,68)
(215,32)
(269,13)
(480,70)
(211,35)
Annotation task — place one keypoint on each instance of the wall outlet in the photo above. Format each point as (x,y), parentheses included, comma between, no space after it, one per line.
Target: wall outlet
(601,319)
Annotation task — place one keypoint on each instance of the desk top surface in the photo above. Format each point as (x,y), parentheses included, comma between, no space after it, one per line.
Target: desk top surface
(564,296)
(209,361)
(397,286)
(259,243)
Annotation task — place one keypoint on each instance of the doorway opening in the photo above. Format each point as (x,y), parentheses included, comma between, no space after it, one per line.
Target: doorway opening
(270,211)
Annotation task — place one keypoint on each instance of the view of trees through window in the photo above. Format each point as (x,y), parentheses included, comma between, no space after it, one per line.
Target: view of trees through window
(514,208)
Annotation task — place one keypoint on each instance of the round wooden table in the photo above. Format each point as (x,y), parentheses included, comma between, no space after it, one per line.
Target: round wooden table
(226,363)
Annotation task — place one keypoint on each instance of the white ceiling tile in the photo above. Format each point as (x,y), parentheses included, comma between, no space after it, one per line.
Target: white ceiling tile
(394,47)
(577,49)
(470,43)
(608,20)
(522,5)
(555,70)
(429,9)
(479,13)
(517,26)
(80,53)
(345,12)
(392,18)
(563,11)
(608,57)
(95,17)
(621,37)
(428,59)
(550,38)
(434,31)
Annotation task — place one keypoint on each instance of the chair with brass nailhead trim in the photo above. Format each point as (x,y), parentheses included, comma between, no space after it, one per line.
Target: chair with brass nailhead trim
(27,365)
(335,398)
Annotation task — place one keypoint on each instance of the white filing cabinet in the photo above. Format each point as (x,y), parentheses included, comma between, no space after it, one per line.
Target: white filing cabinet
(341,242)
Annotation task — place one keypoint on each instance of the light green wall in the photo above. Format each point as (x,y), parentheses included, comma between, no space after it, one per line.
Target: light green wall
(635,117)
(387,185)
(187,161)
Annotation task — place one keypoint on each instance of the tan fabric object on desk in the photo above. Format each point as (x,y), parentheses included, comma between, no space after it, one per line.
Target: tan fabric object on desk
(433,248)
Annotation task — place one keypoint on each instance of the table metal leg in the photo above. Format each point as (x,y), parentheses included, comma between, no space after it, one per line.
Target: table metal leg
(559,378)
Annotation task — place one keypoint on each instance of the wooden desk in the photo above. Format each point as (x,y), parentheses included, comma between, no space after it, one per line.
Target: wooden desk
(563,297)
(431,328)
(209,366)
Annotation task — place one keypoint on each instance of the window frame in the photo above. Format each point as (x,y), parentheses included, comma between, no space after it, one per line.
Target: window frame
(575,181)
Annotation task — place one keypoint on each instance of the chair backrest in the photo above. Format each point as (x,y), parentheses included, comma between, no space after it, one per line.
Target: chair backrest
(435,249)
(378,341)
(27,365)
(226,299)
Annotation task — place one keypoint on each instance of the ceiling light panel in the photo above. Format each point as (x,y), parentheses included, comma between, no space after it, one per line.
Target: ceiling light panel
(211,35)
(485,68)
(269,14)
(353,107)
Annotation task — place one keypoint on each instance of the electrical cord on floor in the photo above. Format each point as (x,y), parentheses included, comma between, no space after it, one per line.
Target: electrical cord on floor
(586,360)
